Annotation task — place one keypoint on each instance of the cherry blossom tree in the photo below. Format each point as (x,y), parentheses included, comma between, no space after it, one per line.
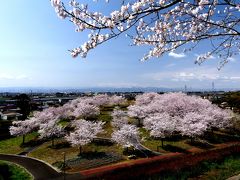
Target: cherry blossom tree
(84,133)
(101,99)
(219,118)
(162,25)
(119,118)
(51,129)
(84,110)
(44,121)
(161,125)
(194,124)
(146,98)
(117,100)
(174,112)
(127,136)
(21,128)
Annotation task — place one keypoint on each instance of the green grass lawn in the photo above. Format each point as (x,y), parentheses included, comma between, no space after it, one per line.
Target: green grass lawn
(230,166)
(13,145)
(55,154)
(14,172)
(155,144)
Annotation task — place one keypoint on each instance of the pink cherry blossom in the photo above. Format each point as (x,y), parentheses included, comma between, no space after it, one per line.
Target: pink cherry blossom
(162,25)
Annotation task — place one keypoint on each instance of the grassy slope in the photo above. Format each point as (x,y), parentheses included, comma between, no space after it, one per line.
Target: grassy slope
(13,171)
(222,170)
(13,145)
(51,155)
(219,170)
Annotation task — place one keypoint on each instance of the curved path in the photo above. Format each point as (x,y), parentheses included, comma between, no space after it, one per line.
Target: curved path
(43,171)
(38,169)
(146,151)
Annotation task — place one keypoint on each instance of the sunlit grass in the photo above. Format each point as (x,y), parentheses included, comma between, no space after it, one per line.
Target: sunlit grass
(13,145)
(52,155)
(155,144)
(14,172)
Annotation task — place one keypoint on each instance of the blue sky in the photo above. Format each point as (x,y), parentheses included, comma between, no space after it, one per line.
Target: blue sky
(33,53)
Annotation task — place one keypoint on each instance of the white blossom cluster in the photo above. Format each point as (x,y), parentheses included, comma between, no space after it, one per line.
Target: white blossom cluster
(171,113)
(127,136)
(119,118)
(160,24)
(47,122)
(84,133)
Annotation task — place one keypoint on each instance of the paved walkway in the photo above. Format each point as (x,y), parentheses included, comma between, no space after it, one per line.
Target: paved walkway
(39,169)
(43,171)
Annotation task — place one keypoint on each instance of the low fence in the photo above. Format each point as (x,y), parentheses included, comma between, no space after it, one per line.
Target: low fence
(158,164)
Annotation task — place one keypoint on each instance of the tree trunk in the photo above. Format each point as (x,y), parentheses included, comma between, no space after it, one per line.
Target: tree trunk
(80,150)
(139,122)
(52,142)
(162,142)
(23,140)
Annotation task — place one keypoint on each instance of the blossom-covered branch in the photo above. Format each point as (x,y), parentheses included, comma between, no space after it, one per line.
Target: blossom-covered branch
(162,25)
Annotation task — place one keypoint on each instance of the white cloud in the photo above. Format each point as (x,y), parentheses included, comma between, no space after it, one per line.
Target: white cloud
(118,84)
(170,65)
(13,77)
(235,78)
(176,55)
(193,74)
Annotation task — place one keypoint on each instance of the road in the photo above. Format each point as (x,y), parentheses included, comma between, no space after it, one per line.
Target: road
(39,170)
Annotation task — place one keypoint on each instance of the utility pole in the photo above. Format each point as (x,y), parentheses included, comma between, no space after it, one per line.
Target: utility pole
(213,87)
(64,165)
(185,88)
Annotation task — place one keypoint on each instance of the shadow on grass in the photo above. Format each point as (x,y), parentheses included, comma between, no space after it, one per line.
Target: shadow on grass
(215,138)
(4,171)
(60,145)
(172,148)
(203,144)
(92,155)
(102,142)
(33,142)
(174,138)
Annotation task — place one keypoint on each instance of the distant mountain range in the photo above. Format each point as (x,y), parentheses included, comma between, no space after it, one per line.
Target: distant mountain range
(101,89)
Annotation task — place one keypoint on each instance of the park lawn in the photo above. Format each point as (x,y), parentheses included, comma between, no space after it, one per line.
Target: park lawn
(52,155)
(108,130)
(105,116)
(207,170)
(13,171)
(230,166)
(169,145)
(13,145)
